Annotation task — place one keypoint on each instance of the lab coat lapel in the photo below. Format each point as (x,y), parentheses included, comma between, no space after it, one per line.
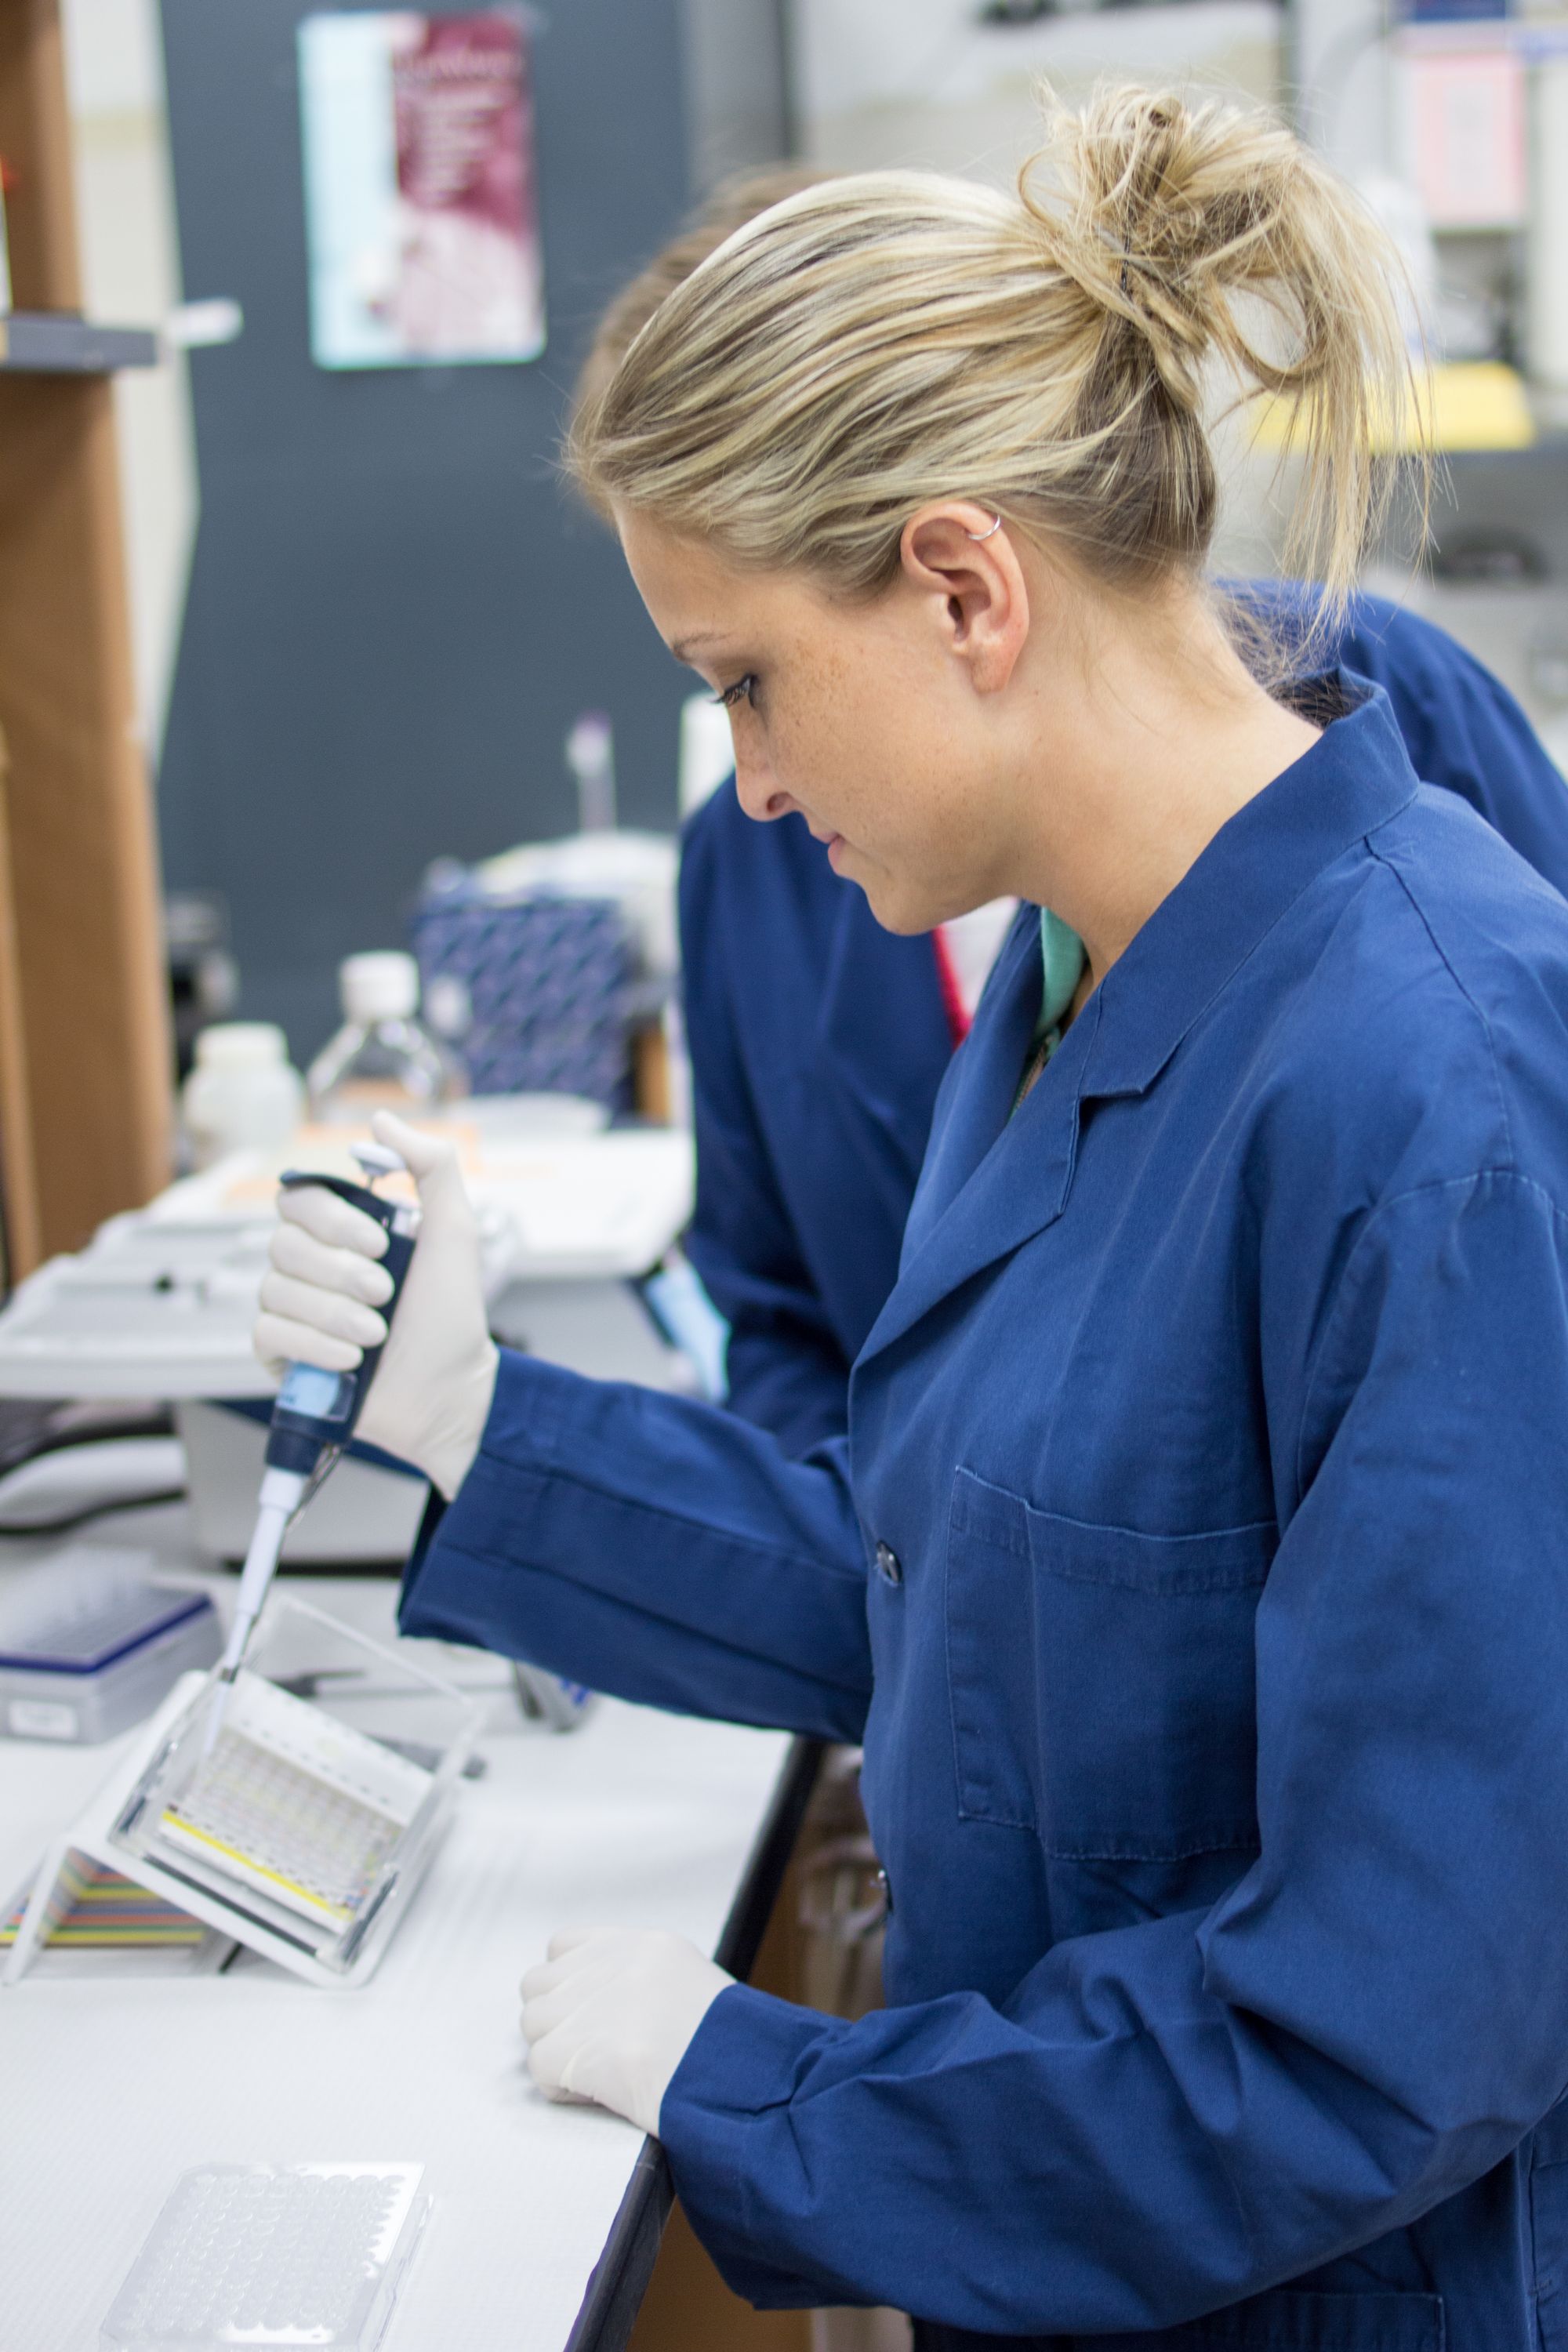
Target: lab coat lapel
(994,1183)
(982,1080)
(994,1177)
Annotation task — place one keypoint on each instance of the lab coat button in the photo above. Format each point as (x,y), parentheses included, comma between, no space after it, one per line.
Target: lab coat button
(888,1563)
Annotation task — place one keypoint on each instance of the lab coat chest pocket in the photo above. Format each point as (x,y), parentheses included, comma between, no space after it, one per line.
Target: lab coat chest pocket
(1101,1680)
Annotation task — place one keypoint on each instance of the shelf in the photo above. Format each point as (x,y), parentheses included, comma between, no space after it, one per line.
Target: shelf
(1533,38)
(55,342)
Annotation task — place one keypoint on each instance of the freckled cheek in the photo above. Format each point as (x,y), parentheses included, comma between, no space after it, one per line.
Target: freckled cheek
(804,752)
(834,757)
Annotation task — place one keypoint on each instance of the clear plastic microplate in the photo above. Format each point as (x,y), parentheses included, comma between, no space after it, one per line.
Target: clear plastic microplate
(273,2256)
(305,1827)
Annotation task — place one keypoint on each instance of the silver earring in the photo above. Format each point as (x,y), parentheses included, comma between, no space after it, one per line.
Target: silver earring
(985,534)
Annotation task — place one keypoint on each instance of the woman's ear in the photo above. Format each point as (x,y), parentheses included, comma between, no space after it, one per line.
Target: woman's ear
(963,561)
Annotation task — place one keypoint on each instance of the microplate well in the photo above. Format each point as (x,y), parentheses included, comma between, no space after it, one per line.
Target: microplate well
(273,2257)
(301,1829)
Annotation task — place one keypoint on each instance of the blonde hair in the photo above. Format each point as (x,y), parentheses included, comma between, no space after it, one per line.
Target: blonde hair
(880,341)
(734,203)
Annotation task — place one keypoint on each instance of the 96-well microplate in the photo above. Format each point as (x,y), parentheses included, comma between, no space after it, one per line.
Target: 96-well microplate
(272,2256)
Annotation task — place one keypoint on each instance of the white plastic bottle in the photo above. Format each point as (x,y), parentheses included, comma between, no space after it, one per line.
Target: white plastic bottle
(382,1058)
(243,1093)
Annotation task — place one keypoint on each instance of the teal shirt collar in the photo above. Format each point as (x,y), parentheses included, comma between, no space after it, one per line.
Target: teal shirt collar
(1062,955)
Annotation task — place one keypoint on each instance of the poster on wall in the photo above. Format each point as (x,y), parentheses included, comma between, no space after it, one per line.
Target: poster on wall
(420,197)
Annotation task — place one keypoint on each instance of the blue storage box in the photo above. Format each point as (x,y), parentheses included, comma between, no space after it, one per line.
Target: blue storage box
(537,994)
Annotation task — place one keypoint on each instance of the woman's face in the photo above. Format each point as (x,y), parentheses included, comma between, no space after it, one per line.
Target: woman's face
(874,721)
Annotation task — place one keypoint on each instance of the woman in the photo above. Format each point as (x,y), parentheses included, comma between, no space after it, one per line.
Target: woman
(1196,1568)
(818,1040)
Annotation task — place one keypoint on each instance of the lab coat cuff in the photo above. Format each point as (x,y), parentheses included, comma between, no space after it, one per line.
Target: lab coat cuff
(721,2121)
(522,1426)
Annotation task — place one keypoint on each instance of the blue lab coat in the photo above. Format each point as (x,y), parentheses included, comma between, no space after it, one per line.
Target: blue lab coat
(1196,1576)
(818,1041)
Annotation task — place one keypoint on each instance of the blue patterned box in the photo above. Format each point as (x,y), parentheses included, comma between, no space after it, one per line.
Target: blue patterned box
(536,993)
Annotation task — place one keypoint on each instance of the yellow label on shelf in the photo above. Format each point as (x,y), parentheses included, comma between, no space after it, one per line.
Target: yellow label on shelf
(1467,404)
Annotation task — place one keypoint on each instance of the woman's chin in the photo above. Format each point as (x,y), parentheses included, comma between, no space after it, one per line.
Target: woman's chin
(895,908)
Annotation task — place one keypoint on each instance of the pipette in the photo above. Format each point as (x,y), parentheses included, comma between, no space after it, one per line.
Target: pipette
(314,1415)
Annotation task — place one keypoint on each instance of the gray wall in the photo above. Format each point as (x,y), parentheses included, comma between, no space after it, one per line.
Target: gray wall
(395,611)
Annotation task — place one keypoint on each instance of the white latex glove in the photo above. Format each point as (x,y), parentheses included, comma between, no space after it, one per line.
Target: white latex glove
(609,2014)
(431,1395)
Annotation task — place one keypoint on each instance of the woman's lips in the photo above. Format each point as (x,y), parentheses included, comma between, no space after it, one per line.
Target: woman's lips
(832,842)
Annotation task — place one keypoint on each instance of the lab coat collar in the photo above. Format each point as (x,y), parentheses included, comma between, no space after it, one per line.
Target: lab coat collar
(1353,778)
(993,1180)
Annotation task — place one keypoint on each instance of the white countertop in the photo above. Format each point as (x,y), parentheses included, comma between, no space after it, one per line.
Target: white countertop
(108,2090)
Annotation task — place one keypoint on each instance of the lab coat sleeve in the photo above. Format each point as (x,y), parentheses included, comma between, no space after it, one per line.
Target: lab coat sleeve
(787,1371)
(655,1547)
(1464,731)
(1174,2116)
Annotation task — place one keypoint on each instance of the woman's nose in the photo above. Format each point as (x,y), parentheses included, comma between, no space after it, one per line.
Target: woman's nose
(756,792)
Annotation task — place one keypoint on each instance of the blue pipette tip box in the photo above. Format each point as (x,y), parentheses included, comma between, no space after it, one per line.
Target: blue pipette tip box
(273,2257)
(91,1642)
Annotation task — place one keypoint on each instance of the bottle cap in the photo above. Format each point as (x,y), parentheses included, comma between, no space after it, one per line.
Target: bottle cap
(381,987)
(240,1045)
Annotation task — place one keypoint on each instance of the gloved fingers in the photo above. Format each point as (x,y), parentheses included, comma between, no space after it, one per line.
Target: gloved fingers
(570,2065)
(547,2060)
(279,1341)
(333,1221)
(562,2098)
(572,1939)
(294,1251)
(432,1163)
(542,1978)
(544,2011)
(327,1311)
(581,1955)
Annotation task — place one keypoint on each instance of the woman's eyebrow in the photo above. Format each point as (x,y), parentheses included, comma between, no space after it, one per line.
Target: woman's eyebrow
(684,647)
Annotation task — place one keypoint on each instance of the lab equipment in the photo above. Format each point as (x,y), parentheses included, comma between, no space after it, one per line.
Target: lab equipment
(243,1093)
(290,1807)
(204,978)
(382,1058)
(538,991)
(369,1510)
(90,1644)
(275,2255)
(303,1831)
(591,756)
(554,1700)
(315,1413)
(1546,297)
(162,1301)
(99,1922)
(707,752)
(546,958)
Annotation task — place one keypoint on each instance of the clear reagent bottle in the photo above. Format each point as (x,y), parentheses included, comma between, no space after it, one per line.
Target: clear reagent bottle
(382,1058)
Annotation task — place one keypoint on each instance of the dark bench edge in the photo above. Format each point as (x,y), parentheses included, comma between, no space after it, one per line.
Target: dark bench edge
(620,2276)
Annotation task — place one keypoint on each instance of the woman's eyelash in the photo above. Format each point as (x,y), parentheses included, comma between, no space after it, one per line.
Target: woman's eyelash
(728,696)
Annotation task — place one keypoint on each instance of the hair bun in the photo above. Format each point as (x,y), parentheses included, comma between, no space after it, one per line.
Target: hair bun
(1161,212)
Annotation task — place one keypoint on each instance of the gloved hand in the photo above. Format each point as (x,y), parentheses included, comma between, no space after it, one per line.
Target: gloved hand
(609,2014)
(431,1395)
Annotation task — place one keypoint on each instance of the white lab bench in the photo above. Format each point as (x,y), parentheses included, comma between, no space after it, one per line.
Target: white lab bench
(546,2219)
